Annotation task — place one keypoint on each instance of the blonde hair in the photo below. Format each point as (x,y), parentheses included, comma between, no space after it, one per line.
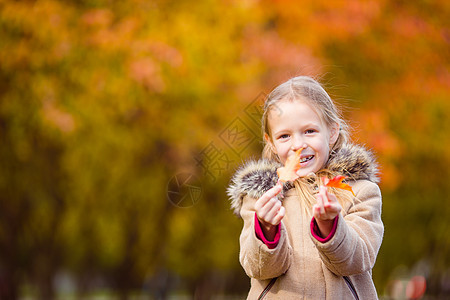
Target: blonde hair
(307,89)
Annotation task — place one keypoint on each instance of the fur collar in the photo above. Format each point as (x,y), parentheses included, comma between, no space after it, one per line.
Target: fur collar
(254,178)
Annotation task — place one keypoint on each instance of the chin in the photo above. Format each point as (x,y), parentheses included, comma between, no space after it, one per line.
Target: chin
(308,170)
(305,172)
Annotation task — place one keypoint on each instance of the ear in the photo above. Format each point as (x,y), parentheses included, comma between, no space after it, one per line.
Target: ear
(334,133)
(269,142)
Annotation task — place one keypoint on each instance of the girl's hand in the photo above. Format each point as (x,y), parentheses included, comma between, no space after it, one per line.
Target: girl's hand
(269,211)
(325,210)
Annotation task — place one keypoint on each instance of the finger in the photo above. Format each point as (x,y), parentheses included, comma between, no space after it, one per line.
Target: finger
(264,210)
(320,204)
(280,215)
(261,202)
(331,197)
(316,211)
(326,200)
(323,190)
(267,196)
(274,190)
(334,208)
(273,212)
(333,204)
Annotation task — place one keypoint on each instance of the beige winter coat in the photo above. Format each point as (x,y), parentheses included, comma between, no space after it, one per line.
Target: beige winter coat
(305,267)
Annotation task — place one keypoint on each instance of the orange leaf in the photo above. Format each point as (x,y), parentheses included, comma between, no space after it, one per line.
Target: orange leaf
(291,166)
(336,182)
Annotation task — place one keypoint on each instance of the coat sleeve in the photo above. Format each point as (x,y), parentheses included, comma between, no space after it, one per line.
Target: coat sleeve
(256,258)
(354,247)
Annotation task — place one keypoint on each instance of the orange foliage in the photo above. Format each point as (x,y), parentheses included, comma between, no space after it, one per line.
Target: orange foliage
(147,72)
(57,117)
(291,166)
(336,182)
(134,81)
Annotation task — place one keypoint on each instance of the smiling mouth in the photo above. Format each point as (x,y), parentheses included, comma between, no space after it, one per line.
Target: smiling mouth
(306,158)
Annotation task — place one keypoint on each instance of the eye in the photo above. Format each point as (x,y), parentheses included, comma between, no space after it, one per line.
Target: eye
(284,136)
(310,131)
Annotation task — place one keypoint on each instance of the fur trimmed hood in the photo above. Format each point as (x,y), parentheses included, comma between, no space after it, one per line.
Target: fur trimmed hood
(254,178)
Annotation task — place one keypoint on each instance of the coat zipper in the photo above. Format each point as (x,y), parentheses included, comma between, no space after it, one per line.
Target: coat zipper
(272,282)
(351,287)
(267,289)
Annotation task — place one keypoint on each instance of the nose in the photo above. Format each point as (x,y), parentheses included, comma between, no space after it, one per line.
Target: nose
(297,143)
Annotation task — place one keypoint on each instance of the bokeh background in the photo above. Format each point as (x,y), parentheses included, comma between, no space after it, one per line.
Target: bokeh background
(121,123)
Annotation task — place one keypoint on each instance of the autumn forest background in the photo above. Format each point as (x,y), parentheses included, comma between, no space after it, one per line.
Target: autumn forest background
(121,123)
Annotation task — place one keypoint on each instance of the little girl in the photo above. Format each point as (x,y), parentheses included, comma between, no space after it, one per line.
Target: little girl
(303,240)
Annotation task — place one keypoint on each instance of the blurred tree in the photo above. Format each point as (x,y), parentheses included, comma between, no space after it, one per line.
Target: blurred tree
(103,104)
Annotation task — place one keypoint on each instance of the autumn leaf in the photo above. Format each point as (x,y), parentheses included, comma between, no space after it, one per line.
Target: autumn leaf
(336,182)
(291,166)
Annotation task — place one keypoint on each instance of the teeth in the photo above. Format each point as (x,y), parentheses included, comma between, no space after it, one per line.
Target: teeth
(304,159)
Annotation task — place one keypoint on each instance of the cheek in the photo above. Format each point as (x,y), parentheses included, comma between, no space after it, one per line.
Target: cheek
(321,148)
(324,152)
(282,152)
(282,149)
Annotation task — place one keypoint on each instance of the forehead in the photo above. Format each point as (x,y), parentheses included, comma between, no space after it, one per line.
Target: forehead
(298,109)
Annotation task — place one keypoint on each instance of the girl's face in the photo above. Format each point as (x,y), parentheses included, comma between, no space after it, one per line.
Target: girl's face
(294,124)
